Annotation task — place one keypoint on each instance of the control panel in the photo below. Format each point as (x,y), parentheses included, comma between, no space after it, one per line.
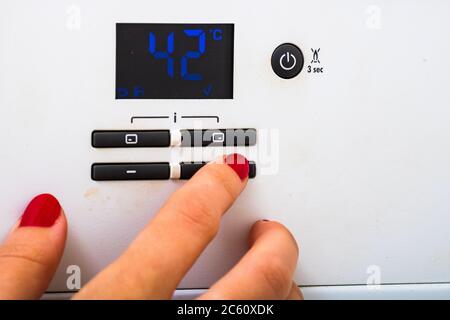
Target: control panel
(341,107)
(160,139)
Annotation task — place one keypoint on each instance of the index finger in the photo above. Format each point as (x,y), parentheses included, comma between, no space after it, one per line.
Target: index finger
(168,246)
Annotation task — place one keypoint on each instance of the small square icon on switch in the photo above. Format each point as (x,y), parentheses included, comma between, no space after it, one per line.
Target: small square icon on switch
(131,139)
(218,137)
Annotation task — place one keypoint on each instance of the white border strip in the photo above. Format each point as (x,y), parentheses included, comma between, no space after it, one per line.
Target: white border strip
(389,292)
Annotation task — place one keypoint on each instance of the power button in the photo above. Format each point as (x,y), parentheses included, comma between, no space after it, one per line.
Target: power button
(287,61)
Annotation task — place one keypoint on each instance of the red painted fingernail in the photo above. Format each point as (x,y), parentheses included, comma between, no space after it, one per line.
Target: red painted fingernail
(239,164)
(42,211)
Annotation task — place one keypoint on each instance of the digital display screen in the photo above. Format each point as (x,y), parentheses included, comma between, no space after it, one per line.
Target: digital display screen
(174,61)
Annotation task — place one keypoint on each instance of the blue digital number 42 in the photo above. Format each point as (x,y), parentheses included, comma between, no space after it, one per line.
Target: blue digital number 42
(185,75)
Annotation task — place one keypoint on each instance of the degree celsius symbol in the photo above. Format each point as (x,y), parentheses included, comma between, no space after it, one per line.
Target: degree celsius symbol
(217,34)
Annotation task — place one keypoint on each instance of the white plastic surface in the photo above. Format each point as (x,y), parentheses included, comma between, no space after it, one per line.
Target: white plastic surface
(389,292)
(358,164)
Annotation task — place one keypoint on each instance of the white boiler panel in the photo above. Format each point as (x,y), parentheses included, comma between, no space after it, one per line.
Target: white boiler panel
(352,154)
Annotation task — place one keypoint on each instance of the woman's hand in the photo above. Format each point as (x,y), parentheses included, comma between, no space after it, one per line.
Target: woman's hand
(164,251)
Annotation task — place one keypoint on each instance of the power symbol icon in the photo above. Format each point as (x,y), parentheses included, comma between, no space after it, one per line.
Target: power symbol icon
(288,61)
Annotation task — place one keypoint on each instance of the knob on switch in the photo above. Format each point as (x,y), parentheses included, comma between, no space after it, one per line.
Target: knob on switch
(287,61)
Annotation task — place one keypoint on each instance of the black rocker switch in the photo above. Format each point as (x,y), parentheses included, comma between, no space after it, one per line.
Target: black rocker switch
(150,171)
(130,171)
(188,169)
(218,137)
(131,139)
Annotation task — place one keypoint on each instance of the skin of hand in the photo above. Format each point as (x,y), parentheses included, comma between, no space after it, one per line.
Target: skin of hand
(163,252)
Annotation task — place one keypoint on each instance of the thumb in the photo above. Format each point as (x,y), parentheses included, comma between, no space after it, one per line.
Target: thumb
(31,253)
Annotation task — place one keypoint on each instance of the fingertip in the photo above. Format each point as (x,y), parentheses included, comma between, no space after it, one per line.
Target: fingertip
(45,211)
(239,164)
(42,211)
(266,270)
(33,249)
(269,228)
(226,173)
(39,224)
(262,226)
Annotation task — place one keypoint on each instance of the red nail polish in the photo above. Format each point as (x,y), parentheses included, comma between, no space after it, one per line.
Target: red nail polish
(239,164)
(42,211)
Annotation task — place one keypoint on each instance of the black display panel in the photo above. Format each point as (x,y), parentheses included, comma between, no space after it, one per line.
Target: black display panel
(174,61)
